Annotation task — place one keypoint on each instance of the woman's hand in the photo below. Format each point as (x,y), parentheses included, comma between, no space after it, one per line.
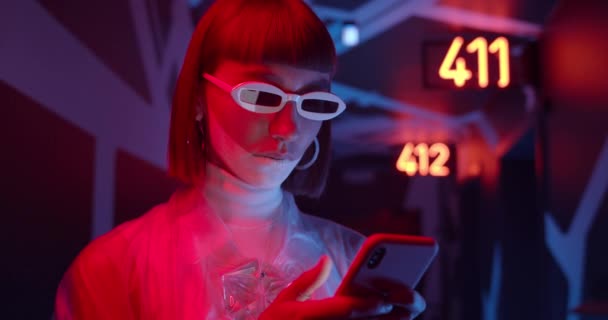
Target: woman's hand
(293,302)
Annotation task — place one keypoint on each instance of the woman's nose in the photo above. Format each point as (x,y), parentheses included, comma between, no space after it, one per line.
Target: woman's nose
(284,125)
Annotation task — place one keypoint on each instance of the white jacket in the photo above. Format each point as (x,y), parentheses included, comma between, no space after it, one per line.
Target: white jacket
(177,262)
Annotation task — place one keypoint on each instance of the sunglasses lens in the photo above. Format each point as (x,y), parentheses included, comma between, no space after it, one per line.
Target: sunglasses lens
(320,106)
(260,98)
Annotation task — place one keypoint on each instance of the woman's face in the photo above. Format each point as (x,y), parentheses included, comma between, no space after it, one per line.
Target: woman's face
(260,149)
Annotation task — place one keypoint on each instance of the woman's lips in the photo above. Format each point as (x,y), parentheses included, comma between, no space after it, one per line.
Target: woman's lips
(275,156)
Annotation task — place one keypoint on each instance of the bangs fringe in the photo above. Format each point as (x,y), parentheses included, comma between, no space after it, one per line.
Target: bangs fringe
(285,34)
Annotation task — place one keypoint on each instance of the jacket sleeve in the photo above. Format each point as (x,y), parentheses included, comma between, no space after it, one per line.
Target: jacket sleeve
(96,285)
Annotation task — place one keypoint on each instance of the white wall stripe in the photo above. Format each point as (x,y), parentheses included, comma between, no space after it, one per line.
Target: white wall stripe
(49,64)
(491,298)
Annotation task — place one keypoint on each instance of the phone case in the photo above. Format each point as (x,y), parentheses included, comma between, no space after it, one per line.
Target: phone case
(388,262)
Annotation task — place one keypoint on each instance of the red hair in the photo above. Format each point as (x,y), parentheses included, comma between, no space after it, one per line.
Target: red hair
(248,31)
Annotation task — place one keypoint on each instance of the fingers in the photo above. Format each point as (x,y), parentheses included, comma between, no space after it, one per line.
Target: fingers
(418,305)
(400,296)
(409,300)
(302,288)
(325,264)
(396,314)
(398,302)
(408,304)
(340,307)
(375,310)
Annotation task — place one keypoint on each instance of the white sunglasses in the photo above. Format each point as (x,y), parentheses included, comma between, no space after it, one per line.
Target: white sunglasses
(262,97)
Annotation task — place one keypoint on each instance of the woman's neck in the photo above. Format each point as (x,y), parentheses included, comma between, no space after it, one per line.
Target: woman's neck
(238,203)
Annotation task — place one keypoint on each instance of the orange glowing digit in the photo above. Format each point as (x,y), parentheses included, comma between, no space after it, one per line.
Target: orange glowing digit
(480,45)
(422,151)
(459,74)
(501,46)
(406,162)
(442,152)
(454,67)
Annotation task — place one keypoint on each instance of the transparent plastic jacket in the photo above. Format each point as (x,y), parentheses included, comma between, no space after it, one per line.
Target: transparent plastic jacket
(179,262)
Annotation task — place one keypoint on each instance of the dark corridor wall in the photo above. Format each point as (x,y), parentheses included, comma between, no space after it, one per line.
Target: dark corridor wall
(46,202)
(84,120)
(574,58)
(547,209)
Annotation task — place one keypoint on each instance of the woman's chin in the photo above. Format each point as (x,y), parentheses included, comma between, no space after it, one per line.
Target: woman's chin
(265,172)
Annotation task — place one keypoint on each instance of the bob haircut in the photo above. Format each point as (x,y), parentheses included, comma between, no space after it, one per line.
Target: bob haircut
(248,31)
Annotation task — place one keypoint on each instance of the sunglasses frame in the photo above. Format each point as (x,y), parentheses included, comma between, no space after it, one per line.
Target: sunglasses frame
(285,97)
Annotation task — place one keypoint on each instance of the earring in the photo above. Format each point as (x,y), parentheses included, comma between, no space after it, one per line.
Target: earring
(201,131)
(198,119)
(313,159)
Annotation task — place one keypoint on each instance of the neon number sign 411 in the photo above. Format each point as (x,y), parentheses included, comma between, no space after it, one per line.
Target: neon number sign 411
(453,67)
(424,160)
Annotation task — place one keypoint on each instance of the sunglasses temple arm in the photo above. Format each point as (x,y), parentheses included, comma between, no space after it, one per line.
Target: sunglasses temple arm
(221,84)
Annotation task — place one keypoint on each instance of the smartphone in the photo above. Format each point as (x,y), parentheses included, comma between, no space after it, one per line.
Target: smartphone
(386,262)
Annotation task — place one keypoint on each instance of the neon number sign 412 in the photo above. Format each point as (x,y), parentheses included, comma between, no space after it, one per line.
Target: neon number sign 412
(424,160)
(453,67)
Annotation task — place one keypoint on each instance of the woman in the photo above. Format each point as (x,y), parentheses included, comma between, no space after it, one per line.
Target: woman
(249,129)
